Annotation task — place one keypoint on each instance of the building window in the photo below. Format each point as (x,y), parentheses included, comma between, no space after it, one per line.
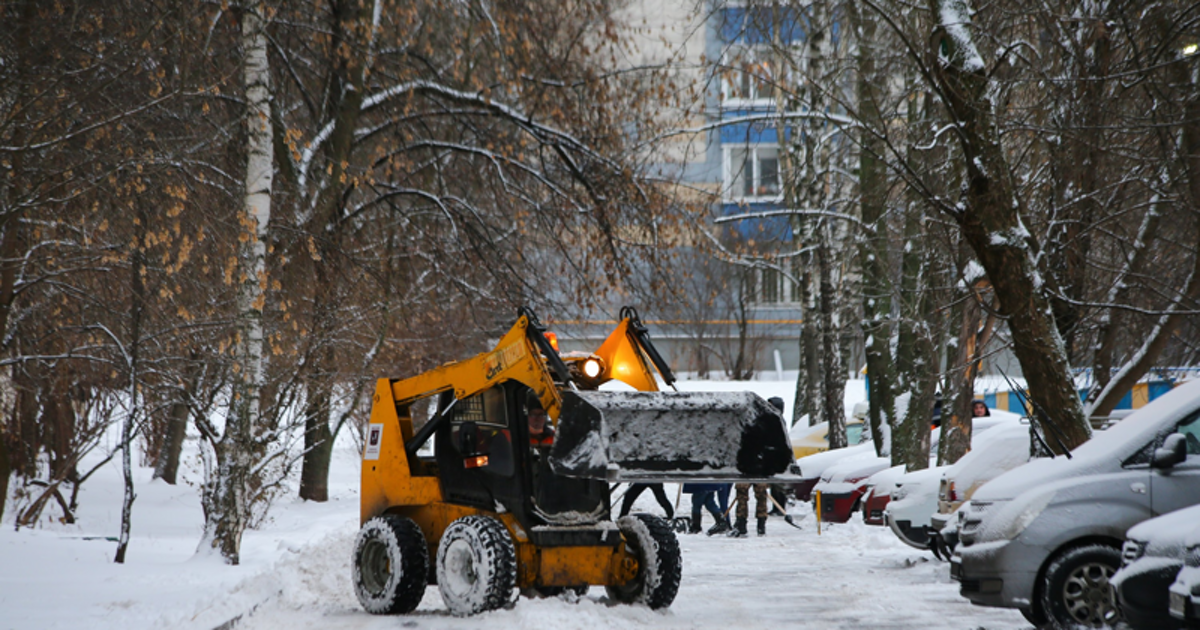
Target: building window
(771,289)
(748,75)
(775,288)
(753,172)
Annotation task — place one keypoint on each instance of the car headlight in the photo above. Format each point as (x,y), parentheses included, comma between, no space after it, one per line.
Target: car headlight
(1132,551)
(899,493)
(1192,557)
(1030,509)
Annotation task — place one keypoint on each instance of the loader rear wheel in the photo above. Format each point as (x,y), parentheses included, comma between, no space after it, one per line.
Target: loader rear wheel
(476,565)
(391,563)
(660,565)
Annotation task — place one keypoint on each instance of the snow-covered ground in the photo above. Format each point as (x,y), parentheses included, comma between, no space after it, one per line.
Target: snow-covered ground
(295,573)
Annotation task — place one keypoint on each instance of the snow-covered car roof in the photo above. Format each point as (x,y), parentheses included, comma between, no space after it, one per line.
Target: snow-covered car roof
(815,465)
(855,468)
(994,452)
(884,479)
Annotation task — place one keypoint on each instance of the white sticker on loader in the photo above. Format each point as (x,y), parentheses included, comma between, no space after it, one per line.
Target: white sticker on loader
(374,439)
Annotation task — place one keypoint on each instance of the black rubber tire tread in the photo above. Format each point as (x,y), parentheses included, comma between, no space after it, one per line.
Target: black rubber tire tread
(660,562)
(494,556)
(1054,609)
(1034,616)
(405,548)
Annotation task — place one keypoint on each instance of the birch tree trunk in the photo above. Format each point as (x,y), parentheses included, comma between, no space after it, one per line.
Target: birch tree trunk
(991,224)
(226,506)
(817,280)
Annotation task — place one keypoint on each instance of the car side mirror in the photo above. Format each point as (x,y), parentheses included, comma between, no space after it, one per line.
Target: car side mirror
(1173,451)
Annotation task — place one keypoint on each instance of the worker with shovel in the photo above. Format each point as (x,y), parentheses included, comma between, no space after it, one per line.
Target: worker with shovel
(761,497)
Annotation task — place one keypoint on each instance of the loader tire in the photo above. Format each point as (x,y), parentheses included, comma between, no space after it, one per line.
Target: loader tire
(660,565)
(476,565)
(391,564)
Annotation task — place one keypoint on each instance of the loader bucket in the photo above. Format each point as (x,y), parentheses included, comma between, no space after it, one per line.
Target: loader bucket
(671,436)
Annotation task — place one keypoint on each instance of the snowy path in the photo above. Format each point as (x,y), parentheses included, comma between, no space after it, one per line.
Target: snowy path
(852,577)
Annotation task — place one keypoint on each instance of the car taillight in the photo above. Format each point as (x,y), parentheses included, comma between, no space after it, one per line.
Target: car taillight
(951,494)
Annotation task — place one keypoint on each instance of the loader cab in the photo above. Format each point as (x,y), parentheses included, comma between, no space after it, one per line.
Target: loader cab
(485,460)
(476,460)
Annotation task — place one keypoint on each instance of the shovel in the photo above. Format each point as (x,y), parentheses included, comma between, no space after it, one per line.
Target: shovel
(787,518)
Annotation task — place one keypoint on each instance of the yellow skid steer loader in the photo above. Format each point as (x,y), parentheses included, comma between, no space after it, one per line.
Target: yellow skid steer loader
(493,507)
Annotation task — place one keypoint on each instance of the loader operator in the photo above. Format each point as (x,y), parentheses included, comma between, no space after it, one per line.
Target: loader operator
(539,433)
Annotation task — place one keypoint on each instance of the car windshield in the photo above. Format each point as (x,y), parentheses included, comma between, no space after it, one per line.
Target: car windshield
(854,434)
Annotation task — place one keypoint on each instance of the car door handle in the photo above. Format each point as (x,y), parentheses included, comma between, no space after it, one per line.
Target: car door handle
(1138,488)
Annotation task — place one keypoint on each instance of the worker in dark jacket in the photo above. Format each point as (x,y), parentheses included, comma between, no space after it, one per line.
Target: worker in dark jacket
(761,500)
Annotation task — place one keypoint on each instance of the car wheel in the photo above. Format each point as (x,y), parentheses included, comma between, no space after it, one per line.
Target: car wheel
(476,565)
(660,564)
(390,565)
(1075,590)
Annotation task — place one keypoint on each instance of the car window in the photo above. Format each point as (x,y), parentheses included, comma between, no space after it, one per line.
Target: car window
(1190,428)
(1142,457)
(854,434)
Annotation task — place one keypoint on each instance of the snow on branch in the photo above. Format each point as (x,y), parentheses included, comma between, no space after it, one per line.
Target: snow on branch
(789,212)
(543,132)
(954,17)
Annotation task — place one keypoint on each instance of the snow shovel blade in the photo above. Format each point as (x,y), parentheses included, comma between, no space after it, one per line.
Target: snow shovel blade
(671,437)
(787,518)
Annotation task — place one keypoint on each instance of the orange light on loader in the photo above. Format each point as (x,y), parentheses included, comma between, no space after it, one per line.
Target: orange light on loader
(553,339)
(475,462)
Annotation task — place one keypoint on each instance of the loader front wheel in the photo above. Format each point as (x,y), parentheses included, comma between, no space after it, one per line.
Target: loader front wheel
(660,565)
(391,564)
(476,565)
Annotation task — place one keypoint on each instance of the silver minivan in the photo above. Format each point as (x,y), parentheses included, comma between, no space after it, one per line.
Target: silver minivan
(1046,537)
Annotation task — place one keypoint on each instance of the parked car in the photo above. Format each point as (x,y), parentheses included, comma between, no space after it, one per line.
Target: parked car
(914,500)
(1184,593)
(843,484)
(999,451)
(845,489)
(1150,560)
(878,494)
(1006,448)
(809,440)
(914,496)
(1045,537)
(813,466)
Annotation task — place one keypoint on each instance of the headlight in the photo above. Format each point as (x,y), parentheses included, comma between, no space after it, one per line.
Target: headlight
(591,368)
(1030,509)
(1192,557)
(1132,551)
(899,493)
